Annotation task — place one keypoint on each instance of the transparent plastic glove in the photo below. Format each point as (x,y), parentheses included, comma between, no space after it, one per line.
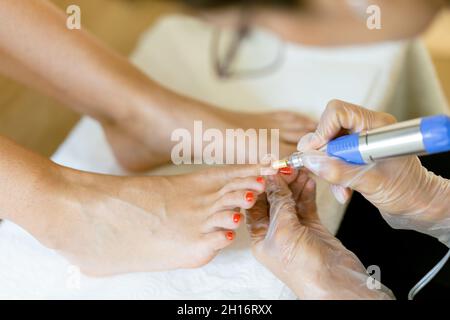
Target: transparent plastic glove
(407,195)
(289,239)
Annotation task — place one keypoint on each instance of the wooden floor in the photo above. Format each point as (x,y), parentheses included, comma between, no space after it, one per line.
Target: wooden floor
(41,124)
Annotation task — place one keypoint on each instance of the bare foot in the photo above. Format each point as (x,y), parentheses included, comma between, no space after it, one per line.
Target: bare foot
(108,225)
(146,142)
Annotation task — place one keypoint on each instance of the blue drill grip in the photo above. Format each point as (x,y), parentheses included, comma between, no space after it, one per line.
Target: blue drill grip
(346,148)
(436,133)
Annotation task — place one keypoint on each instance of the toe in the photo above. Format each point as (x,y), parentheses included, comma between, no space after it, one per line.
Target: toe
(224,220)
(219,239)
(256,184)
(244,199)
(241,171)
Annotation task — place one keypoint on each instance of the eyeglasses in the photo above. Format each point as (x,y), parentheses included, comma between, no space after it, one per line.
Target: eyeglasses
(245,53)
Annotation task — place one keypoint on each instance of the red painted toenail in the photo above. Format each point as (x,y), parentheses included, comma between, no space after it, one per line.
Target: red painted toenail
(286,171)
(249,196)
(260,180)
(237,217)
(230,235)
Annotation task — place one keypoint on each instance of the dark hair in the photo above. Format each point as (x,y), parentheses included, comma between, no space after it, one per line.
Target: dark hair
(211,4)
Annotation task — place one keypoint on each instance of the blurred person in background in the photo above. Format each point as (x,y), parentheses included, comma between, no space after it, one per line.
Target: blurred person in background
(322,22)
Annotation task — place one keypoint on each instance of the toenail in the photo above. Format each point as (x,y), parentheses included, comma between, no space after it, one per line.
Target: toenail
(260,180)
(230,235)
(249,196)
(237,217)
(286,171)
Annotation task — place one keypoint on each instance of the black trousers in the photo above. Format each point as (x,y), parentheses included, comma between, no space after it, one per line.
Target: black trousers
(404,257)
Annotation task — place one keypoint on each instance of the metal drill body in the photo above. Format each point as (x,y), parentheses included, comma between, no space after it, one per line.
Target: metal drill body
(415,137)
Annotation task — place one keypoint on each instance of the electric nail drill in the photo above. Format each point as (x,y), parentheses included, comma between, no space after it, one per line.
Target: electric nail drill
(421,136)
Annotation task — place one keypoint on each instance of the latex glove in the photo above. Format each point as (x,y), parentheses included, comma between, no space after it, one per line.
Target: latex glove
(407,195)
(289,239)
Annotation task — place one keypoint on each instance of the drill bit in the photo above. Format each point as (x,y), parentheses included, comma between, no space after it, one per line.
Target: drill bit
(279,164)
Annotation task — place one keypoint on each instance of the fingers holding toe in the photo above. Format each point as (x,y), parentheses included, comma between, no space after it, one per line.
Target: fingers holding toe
(306,203)
(257,219)
(298,184)
(277,188)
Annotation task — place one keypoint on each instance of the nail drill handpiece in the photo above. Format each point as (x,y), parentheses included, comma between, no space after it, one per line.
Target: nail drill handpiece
(421,136)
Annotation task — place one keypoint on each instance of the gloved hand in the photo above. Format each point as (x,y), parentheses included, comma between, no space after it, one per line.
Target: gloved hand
(289,239)
(407,195)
